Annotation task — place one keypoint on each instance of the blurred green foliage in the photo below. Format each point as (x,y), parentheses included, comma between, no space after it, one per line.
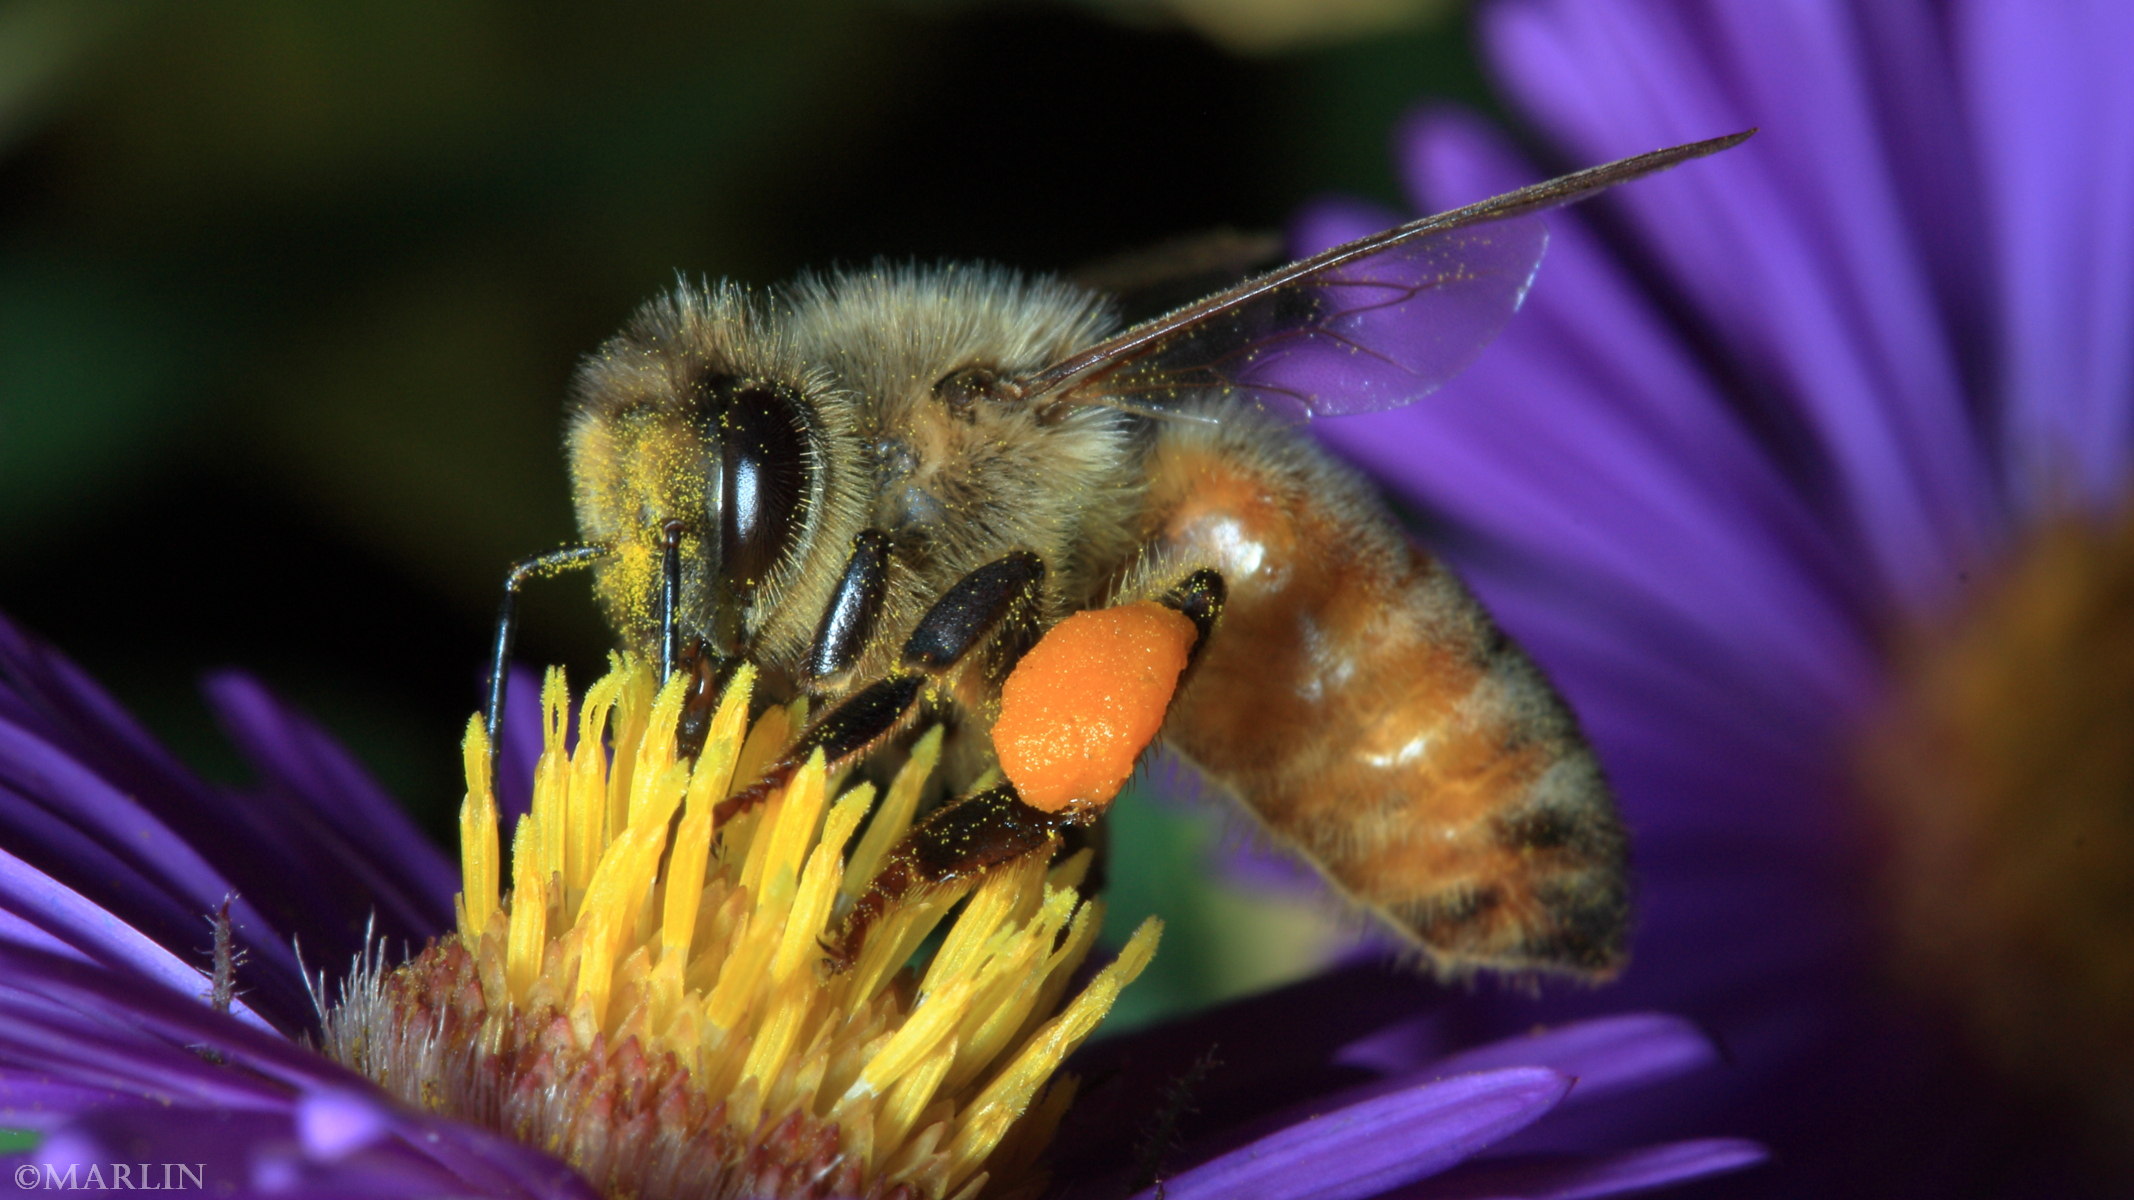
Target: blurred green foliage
(289,293)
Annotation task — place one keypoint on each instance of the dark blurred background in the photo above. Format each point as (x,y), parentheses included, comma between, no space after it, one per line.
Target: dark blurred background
(289,293)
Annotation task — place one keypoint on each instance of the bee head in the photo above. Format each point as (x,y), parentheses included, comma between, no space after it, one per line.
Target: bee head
(694,420)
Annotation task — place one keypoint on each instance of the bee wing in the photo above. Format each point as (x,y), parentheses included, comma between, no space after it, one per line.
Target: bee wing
(1150,280)
(1376,331)
(1373,324)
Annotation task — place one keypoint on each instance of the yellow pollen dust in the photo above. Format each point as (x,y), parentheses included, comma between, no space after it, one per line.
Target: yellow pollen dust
(630,918)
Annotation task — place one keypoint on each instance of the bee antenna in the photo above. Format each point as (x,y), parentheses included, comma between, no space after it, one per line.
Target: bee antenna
(507,628)
(670,598)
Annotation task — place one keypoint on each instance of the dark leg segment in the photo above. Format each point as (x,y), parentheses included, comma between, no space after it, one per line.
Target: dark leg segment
(980,603)
(670,598)
(996,827)
(850,619)
(864,718)
(1199,597)
(960,622)
(708,674)
(968,838)
(507,627)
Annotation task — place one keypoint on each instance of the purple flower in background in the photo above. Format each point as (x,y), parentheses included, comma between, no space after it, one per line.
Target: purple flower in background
(112,1052)
(1804,474)
(111,857)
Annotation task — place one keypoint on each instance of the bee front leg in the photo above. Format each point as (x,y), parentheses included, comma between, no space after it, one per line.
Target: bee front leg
(974,614)
(507,629)
(848,623)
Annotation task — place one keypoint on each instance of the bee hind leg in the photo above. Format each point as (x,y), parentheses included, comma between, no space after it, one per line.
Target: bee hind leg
(998,826)
(968,838)
(1198,596)
(989,607)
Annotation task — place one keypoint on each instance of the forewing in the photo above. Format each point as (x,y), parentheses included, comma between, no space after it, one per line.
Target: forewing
(1373,324)
(1152,280)
(1373,333)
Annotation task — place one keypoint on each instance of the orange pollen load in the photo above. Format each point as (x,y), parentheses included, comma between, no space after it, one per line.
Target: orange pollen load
(1086,700)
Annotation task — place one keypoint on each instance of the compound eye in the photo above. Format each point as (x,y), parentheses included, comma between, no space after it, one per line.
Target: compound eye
(763,477)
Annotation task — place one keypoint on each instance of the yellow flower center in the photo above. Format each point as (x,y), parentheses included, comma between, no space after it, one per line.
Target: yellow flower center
(648,1001)
(2003,773)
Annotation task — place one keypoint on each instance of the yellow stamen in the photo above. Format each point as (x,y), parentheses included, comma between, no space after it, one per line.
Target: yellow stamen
(682,964)
(893,819)
(479,858)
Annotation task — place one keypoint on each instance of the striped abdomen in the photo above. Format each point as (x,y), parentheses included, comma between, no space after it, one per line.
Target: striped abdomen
(1363,704)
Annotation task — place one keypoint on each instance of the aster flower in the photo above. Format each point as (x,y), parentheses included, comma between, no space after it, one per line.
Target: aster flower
(662,1031)
(1810,456)
(114,1051)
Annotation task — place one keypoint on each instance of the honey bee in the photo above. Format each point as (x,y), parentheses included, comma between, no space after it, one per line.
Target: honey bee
(883,486)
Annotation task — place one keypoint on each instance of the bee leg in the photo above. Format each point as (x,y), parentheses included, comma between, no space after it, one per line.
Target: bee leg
(507,628)
(973,836)
(998,826)
(1094,837)
(670,599)
(987,601)
(862,719)
(708,675)
(974,614)
(1199,598)
(849,621)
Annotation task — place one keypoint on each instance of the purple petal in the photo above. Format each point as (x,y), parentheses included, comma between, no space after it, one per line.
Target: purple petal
(1252,1075)
(72,824)
(2053,110)
(1603,1056)
(1873,272)
(1908,65)
(200,1149)
(46,694)
(319,853)
(260,1153)
(114,1072)
(334,1124)
(337,822)
(1378,1144)
(32,902)
(1582,1177)
(58,1011)
(1759,239)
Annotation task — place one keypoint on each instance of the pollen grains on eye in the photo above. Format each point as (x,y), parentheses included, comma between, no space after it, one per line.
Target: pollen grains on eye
(646,999)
